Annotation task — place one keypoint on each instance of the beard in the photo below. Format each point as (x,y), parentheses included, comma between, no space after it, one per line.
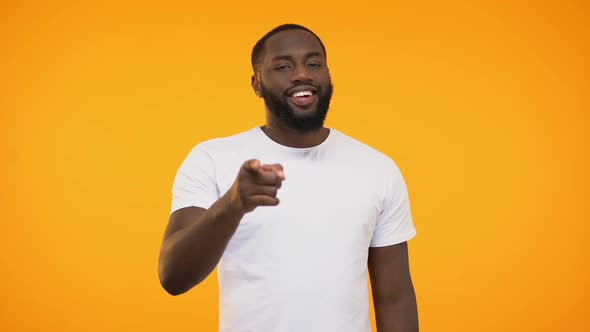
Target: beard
(279,106)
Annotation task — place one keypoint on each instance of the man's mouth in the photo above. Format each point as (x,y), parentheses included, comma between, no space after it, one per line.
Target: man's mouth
(303,95)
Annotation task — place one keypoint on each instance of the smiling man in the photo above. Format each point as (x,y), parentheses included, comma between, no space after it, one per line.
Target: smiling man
(300,263)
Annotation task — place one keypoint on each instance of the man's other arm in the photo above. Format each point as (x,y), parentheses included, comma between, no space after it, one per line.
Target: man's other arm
(195,238)
(393,292)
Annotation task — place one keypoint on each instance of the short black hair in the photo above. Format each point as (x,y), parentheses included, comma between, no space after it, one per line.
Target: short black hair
(258,50)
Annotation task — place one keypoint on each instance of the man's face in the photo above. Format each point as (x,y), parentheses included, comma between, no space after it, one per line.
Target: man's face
(294,80)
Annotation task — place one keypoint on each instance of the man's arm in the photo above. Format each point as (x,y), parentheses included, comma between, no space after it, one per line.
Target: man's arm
(196,238)
(393,292)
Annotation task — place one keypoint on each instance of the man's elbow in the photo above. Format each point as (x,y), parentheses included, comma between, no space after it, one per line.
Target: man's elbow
(170,285)
(171,282)
(175,283)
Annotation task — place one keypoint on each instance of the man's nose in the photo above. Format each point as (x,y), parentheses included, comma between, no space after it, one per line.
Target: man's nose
(301,74)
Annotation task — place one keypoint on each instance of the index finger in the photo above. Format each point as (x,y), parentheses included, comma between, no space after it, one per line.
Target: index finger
(276,168)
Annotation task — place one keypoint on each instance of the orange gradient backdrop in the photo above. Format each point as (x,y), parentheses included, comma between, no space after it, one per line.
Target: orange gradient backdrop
(485,107)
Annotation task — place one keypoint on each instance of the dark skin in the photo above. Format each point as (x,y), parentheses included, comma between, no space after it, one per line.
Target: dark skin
(393,292)
(196,238)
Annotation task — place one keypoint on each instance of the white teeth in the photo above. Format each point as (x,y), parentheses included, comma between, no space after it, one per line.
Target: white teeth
(302,94)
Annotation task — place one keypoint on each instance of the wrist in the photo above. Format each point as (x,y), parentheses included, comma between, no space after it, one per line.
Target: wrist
(233,204)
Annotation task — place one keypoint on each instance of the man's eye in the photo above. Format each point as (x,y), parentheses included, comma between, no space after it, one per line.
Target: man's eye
(314,65)
(283,67)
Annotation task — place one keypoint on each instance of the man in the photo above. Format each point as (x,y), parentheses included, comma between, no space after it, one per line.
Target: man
(298,263)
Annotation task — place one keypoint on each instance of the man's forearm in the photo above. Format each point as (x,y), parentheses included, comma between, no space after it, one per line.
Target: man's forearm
(399,314)
(195,238)
(190,254)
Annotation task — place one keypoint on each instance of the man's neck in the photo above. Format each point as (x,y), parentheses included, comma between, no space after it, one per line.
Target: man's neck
(291,138)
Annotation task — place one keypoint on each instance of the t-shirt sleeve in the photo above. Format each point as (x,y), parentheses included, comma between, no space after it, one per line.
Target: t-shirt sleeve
(195,183)
(394,223)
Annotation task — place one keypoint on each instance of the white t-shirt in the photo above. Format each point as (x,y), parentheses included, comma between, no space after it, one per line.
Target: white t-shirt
(301,265)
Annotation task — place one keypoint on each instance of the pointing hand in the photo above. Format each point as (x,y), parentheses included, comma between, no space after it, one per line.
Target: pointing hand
(256,185)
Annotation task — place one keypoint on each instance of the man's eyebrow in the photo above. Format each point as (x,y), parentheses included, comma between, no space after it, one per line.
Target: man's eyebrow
(282,57)
(290,58)
(312,54)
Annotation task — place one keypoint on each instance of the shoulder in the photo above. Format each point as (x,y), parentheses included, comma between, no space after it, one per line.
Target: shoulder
(362,152)
(224,145)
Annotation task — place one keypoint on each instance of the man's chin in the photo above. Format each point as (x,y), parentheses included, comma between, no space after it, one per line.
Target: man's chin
(303,114)
(301,119)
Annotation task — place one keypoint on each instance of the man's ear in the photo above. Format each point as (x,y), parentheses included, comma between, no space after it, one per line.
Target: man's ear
(256,85)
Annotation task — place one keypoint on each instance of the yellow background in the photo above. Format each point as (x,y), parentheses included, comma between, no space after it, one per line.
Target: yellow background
(484,106)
